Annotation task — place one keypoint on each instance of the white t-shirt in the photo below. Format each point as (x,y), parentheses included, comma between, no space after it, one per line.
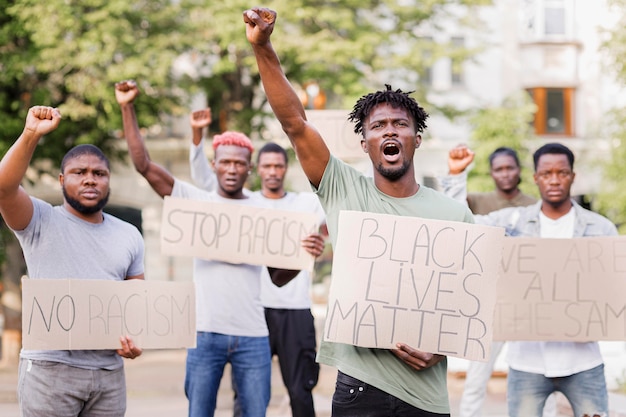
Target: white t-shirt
(561,228)
(554,359)
(296,294)
(228,296)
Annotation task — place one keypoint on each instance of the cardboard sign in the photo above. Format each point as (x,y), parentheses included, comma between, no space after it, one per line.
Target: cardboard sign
(562,289)
(93,314)
(428,283)
(338,133)
(237,234)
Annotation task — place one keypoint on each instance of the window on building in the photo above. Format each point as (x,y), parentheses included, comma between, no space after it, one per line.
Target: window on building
(456,70)
(554,110)
(551,19)
(554,17)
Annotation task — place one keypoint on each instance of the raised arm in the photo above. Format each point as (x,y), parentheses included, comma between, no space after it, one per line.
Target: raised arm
(15,204)
(158,177)
(454,185)
(201,172)
(459,158)
(309,146)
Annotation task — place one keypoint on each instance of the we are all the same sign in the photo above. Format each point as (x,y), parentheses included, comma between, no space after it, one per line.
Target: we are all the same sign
(562,289)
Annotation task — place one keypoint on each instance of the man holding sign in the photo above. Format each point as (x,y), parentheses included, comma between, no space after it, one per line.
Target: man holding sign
(75,240)
(231,327)
(370,382)
(536,369)
(504,168)
(288,308)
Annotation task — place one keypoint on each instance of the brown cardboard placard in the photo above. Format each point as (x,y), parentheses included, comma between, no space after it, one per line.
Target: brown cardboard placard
(428,283)
(236,233)
(562,289)
(93,314)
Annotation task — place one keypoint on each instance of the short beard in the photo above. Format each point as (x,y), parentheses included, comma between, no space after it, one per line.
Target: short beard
(81,208)
(394,174)
(275,189)
(231,193)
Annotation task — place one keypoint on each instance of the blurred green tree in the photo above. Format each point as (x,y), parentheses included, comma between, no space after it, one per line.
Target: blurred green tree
(611,198)
(347,47)
(68,54)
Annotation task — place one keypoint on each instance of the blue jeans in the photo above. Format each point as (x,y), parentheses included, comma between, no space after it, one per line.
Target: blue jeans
(354,398)
(251,365)
(585,391)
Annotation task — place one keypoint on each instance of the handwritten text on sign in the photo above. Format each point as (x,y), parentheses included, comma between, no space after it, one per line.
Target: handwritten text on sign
(427,283)
(236,233)
(93,314)
(562,289)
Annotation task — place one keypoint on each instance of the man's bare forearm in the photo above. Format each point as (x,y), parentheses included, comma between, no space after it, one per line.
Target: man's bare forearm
(282,97)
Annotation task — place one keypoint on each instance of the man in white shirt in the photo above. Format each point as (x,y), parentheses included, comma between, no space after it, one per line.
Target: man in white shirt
(539,368)
(505,170)
(287,308)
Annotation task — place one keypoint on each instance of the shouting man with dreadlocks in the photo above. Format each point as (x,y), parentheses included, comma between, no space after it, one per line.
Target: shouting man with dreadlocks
(370,382)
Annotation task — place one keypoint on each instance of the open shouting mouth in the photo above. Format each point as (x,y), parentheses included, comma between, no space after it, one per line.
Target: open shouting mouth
(391,151)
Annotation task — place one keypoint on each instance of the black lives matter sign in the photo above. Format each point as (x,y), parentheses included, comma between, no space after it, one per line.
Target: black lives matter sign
(428,283)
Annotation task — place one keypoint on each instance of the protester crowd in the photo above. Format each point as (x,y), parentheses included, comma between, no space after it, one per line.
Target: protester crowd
(246,313)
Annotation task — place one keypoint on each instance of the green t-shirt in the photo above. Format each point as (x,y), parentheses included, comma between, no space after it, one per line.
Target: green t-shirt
(344,188)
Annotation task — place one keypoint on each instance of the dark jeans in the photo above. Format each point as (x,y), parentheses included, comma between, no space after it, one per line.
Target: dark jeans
(354,398)
(292,339)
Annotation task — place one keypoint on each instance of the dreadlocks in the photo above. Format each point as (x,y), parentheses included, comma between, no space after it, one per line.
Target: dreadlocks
(397,99)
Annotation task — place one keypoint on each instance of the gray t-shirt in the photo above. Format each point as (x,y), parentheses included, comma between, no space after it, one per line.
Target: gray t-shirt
(59,245)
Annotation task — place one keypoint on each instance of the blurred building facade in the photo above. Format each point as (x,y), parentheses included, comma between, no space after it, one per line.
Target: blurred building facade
(550,49)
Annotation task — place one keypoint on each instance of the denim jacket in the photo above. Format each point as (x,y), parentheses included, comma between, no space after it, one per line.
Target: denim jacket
(524,221)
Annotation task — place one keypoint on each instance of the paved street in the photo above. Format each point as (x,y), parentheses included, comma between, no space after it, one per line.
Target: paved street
(155,388)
